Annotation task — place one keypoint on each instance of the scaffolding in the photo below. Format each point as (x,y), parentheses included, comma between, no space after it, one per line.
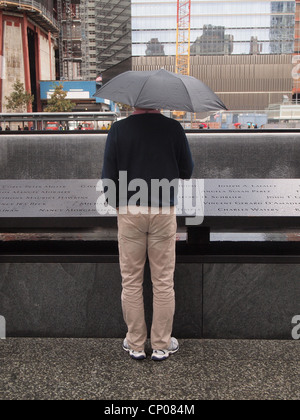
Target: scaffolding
(60,43)
(85,67)
(183,42)
(71,39)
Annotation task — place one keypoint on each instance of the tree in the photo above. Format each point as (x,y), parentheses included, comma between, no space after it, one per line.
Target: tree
(58,101)
(19,99)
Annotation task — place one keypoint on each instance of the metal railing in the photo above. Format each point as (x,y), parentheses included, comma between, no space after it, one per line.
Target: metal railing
(31,5)
(56,121)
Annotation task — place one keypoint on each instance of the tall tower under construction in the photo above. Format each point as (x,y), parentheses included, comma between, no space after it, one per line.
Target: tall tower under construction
(77,39)
(70,39)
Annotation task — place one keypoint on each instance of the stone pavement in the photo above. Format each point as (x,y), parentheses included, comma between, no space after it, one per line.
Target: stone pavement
(98,369)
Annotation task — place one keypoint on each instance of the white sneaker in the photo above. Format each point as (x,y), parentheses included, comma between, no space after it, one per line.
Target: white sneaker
(136,355)
(160,355)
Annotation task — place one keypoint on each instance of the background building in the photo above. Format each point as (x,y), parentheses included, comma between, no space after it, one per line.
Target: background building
(213,41)
(271,22)
(242,49)
(113,37)
(70,39)
(28,32)
(77,39)
(95,37)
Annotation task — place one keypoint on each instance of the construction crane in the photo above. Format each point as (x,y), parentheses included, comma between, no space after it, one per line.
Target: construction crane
(183,43)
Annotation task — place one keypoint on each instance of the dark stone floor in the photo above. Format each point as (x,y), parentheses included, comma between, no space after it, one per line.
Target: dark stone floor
(98,369)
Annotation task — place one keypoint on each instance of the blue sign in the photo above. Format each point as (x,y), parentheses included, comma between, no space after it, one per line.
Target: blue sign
(76,91)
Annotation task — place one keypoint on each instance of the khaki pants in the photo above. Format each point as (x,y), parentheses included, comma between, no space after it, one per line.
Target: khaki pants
(154,235)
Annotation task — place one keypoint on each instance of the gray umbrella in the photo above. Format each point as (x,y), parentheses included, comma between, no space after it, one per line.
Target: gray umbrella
(161,90)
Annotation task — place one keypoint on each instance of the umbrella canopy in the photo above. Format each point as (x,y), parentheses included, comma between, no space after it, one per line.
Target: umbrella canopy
(161,90)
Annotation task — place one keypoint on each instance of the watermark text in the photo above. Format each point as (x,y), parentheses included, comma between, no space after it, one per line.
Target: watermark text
(187,196)
(296,329)
(2,328)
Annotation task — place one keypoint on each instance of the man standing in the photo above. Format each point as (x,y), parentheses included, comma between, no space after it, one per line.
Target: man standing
(148,146)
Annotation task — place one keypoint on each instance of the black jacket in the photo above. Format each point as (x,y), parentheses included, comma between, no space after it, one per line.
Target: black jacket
(147,147)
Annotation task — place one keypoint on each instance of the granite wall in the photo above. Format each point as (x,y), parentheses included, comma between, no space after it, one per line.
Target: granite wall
(84,300)
(216,155)
(213,300)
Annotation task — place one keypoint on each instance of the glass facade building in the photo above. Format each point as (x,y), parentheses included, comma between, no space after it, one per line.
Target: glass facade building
(218,27)
(113,36)
(243,50)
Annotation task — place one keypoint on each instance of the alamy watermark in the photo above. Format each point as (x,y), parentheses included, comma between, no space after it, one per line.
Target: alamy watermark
(296,329)
(2,328)
(141,197)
